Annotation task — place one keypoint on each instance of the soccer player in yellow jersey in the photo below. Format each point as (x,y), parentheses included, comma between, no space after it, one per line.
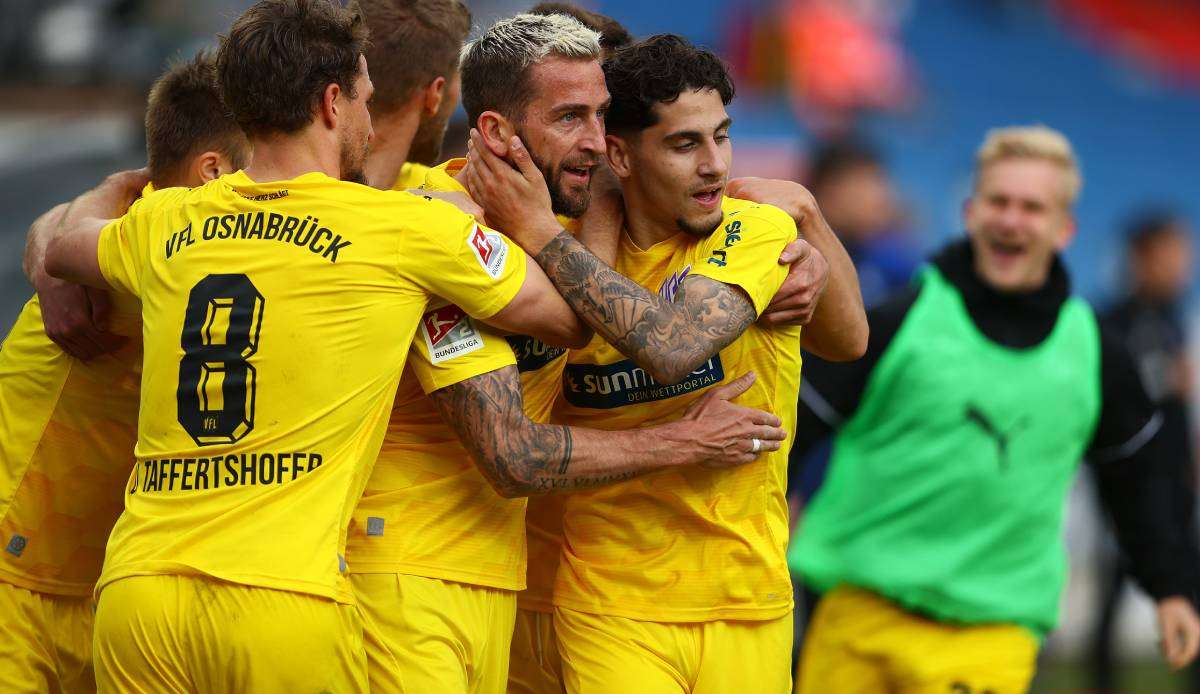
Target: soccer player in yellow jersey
(414,66)
(68,426)
(556,112)
(435,554)
(675,582)
(278,305)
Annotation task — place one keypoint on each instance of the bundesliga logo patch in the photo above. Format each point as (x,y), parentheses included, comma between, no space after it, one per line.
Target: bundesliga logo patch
(489,249)
(449,333)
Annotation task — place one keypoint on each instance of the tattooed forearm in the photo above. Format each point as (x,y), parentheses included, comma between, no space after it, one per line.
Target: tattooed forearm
(520,457)
(486,413)
(566,484)
(667,338)
(566,459)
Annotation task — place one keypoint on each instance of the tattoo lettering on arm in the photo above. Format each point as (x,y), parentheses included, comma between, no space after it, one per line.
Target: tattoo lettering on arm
(669,339)
(518,456)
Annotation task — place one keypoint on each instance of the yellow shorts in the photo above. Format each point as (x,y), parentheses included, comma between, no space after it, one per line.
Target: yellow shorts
(45,642)
(534,666)
(861,642)
(187,634)
(430,635)
(604,654)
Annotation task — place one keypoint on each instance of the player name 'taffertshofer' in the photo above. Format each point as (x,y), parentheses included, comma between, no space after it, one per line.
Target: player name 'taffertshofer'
(305,232)
(215,472)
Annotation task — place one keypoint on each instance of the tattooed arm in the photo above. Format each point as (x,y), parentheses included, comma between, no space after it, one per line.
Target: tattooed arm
(520,457)
(669,339)
(838,330)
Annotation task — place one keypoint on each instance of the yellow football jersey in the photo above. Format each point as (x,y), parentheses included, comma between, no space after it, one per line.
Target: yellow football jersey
(276,320)
(66,448)
(691,544)
(541,367)
(67,430)
(412,175)
(427,510)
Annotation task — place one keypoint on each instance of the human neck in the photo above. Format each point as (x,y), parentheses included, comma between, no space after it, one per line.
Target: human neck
(284,157)
(394,134)
(643,228)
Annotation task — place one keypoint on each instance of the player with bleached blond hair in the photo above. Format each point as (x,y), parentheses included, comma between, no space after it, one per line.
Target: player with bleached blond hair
(436,546)
(937,535)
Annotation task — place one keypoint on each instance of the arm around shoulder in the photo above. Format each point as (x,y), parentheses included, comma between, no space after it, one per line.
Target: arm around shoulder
(538,310)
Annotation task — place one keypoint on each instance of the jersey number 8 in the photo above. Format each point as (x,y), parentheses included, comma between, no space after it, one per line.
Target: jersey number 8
(216,382)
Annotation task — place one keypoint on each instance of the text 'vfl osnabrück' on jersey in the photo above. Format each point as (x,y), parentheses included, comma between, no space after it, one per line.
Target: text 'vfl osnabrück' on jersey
(693,544)
(426,509)
(276,319)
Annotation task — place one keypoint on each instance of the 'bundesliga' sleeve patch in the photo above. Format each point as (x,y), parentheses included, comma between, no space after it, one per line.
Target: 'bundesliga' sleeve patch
(489,248)
(449,333)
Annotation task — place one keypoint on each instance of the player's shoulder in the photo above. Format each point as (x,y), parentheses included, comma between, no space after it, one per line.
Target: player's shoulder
(399,208)
(441,178)
(160,198)
(764,218)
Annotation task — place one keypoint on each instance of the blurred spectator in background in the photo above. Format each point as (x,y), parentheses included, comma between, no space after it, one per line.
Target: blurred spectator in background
(1150,321)
(834,59)
(844,58)
(851,184)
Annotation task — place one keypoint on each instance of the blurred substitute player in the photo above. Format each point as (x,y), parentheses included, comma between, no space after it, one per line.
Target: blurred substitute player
(414,65)
(937,536)
(68,426)
(278,306)
(677,581)
(436,547)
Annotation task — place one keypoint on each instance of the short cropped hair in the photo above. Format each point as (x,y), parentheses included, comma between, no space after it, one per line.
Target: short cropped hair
(1149,225)
(280,55)
(837,157)
(413,42)
(495,66)
(1032,142)
(613,34)
(657,70)
(185,116)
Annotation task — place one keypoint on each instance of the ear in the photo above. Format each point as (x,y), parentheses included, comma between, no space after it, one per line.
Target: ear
(329,105)
(432,96)
(209,165)
(1067,234)
(496,132)
(966,210)
(619,156)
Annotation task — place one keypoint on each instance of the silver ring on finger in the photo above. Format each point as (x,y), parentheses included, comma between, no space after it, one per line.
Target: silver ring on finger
(755,445)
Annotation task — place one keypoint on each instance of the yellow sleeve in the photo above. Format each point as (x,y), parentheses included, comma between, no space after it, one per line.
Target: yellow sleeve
(744,252)
(451,347)
(464,262)
(122,247)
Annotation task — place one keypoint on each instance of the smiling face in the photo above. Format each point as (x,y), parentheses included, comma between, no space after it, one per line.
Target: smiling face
(563,128)
(1018,218)
(679,166)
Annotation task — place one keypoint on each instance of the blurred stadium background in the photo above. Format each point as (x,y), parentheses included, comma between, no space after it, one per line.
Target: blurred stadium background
(920,79)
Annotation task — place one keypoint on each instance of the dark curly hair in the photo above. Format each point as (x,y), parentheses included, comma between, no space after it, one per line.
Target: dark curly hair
(658,70)
(279,57)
